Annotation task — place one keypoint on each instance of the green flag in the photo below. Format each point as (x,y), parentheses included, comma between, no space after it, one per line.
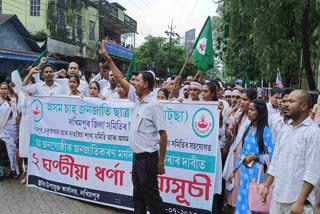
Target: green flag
(132,67)
(37,62)
(245,83)
(43,54)
(203,48)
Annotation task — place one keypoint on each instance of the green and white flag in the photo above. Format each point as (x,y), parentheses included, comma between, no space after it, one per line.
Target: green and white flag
(203,48)
(16,78)
(245,83)
(37,62)
(132,67)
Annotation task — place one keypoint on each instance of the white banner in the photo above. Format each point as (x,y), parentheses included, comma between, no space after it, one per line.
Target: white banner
(80,148)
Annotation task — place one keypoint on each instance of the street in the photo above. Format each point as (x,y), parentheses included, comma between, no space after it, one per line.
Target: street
(20,199)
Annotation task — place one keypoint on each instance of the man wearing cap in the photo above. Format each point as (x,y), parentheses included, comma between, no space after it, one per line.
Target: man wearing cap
(148,121)
(235,104)
(227,96)
(195,90)
(185,90)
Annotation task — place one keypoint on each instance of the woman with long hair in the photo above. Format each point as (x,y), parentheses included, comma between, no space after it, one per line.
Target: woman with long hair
(256,141)
(233,146)
(209,93)
(74,82)
(8,133)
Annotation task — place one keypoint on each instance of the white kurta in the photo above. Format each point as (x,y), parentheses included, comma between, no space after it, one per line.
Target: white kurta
(24,130)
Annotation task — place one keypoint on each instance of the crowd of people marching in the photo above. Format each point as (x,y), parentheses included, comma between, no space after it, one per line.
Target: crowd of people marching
(252,132)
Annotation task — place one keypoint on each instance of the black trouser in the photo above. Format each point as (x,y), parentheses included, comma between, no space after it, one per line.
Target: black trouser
(145,183)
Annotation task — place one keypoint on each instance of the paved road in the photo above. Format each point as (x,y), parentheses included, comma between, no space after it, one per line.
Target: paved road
(19,199)
(16,198)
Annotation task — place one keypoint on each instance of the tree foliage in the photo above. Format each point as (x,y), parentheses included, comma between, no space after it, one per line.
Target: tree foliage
(153,54)
(263,38)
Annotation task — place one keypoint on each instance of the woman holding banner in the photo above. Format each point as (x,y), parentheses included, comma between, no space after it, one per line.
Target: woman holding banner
(8,133)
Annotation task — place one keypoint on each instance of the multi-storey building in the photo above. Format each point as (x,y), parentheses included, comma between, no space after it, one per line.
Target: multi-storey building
(71,28)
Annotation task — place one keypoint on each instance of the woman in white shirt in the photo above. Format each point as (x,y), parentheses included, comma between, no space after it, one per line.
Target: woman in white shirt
(74,82)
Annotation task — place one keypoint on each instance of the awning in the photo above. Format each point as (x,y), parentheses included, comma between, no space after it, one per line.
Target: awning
(25,56)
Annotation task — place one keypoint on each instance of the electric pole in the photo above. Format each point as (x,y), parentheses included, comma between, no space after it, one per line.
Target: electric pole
(171,34)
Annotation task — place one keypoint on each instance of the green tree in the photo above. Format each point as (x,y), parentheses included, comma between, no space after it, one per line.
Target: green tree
(153,55)
(263,38)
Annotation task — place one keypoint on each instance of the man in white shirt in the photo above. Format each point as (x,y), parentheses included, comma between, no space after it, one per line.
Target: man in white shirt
(148,122)
(279,122)
(103,76)
(272,105)
(111,90)
(48,87)
(73,69)
(295,164)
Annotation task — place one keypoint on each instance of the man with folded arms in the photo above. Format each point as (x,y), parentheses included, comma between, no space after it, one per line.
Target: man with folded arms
(295,166)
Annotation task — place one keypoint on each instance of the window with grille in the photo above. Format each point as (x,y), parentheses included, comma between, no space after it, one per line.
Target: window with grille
(61,18)
(35,8)
(79,28)
(92,26)
(0,6)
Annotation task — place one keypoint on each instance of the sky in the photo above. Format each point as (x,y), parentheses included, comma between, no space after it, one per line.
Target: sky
(154,16)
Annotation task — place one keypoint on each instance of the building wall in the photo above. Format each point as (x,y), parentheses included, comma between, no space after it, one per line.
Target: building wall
(36,24)
(22,9)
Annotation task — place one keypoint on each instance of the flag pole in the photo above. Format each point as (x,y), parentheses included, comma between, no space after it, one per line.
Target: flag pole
(182,69)
(185,63)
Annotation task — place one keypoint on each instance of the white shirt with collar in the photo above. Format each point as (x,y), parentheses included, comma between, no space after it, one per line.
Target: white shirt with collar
(277,124)
(102,82)
(42,88)
(148,120)
(109,93)
(271,111)
(296,159)
(83,87)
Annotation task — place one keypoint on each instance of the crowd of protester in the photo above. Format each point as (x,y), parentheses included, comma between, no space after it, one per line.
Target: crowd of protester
(285,129)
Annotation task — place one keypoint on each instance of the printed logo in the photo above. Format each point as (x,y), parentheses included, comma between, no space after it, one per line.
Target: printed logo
(201,46)
(37,110)
(203,123)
